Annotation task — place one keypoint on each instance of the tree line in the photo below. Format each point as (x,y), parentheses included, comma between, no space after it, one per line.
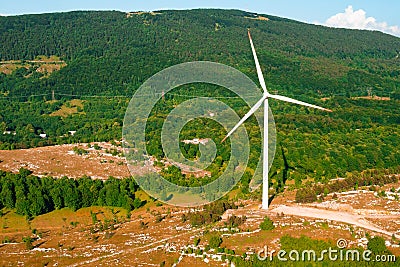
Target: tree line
(353,180)
(31,196)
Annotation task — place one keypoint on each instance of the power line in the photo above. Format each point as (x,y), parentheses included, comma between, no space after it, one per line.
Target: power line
(143,95)
(23,96)
(217,97)
(93,96)
(53,94)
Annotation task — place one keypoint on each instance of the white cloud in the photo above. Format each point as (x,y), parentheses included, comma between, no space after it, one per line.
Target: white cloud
(358,20)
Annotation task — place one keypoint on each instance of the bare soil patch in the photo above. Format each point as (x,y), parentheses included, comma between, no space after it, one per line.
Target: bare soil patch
(74,106)
(45,65)
(381,98)
(59,161)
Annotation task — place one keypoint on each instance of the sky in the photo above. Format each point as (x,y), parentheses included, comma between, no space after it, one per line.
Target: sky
(380,15)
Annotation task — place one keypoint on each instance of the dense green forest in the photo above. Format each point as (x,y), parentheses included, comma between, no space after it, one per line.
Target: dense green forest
(31,196)
(112,53)
(109,55)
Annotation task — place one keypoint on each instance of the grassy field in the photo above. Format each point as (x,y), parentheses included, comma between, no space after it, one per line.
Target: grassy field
(15,226)
(72,107)
(41,64)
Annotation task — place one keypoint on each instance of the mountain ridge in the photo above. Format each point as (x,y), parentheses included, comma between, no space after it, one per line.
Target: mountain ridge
(107,49)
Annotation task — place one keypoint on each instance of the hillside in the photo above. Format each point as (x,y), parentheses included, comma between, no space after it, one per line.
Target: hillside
(106,56)
(113,52)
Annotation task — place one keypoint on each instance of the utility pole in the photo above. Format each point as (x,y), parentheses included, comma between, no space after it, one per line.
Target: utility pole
(369,90)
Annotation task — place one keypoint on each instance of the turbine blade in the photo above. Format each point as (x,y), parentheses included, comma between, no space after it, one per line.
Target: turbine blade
(291,100)
(259,72)
(245,117)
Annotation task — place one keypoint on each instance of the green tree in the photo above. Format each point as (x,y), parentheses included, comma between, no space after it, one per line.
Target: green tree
(3,127)
(215,241)
(56,195)
(21,204)
(28,242)
(72,198)
(88,191)
(24,172)
(7,193)
(377,245)
(137,203)
(112,192)
(37,203)
(267,224)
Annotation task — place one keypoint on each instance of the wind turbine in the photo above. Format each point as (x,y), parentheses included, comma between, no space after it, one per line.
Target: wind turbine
(264,100)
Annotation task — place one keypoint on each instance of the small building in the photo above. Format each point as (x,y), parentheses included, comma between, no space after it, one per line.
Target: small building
(9,132)
(43,135)
(72,132)
(196,141)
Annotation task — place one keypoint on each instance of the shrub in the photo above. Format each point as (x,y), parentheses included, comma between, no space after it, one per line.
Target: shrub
(234,221)
(377,245)
(326,191)
(96,146)
(211,213)
(215,241)
(28,242)
(159,218)
(306,195)
(143,225)
(267,224)
(372,188)
(80,151)
(94,217)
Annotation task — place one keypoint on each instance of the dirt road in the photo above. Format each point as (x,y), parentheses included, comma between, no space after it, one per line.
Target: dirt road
(340,216)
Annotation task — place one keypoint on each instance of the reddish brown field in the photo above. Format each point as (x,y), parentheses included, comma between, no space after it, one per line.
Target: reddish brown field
(155,235)
(58,161)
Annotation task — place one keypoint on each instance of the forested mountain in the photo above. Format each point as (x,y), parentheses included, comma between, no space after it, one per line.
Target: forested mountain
(113,52)
(109,54)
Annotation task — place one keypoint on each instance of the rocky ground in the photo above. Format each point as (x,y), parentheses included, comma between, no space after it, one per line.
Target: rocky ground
(156,233)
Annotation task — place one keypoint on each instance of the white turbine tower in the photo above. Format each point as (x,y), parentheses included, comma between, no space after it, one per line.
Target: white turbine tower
(264,100)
